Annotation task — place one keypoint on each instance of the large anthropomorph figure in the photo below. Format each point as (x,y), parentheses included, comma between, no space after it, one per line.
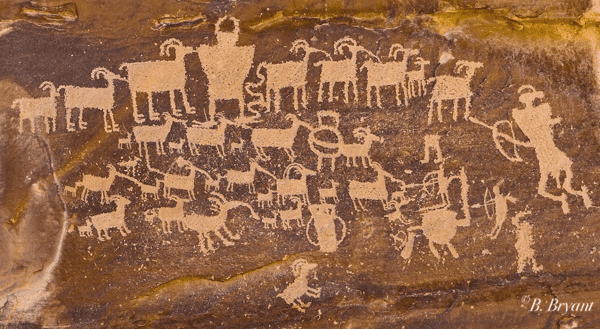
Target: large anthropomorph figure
(536,122)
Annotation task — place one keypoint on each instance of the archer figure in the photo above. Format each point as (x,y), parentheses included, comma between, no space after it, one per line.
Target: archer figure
(536,122)
(501,209)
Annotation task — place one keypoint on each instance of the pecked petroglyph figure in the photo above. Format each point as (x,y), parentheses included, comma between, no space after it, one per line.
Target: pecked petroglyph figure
(154,134)
(263,138)
(391,73)
(227,66)
(536,123)
(291,74)
(432,142)
(377,190)
(416,79)
(92,98)
(300,288)
(323,218)
(500,203)
(360,151)
(207,226)
(114,219)
(289,186)
(159,76)
(245,178)
(91,183)
(439,224)
(168,215)
(524,243)
(453,88)
(199,136)
(32,108)
(342,71)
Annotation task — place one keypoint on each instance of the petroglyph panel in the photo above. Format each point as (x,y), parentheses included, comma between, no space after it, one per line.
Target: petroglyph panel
(235,165)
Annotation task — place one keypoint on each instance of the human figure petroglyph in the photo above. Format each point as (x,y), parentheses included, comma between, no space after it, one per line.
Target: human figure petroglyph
(329,193)
(439,224)
(376,190)
(323,218)
(198,136)
(391,73)
(97,184)
(226,65)
(289,186)
(536,123)
(289,215)
(32,108)
(439,178)
(277,138)
(205,226)
(432,142)
(500,209)
(159,76)
(92,98)
(453,88)
(524,243)
(300,288)
(342,71)
(154,134)
(245,177)
(291,74)
(359,151)
(398,199)
(114,219)
(416,79)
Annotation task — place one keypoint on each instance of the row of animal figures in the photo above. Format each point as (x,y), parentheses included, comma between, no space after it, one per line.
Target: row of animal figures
(214,136)
(227,66)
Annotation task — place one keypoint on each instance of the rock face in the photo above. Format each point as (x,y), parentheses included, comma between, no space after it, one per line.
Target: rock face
(331,165)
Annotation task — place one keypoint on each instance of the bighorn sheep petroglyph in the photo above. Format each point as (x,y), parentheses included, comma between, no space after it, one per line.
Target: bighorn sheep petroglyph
(370,190)
(31,108)
(154,134)
(97,184)
(343,71)
(416,79)
(245,177)
(453,88)
(392,73)
(283,75)
(92,98)
(288,186)
(115,219)
(277,138)
(359,151)
(167,215)
(159,76)
(200,136)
